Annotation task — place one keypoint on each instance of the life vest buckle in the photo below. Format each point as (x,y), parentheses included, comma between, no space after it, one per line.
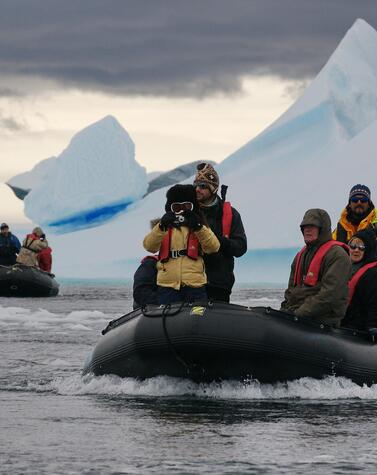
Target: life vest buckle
(178,253)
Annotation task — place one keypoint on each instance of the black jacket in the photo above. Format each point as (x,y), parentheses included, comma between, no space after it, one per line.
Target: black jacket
(362,311)
(145,286)
(220,266)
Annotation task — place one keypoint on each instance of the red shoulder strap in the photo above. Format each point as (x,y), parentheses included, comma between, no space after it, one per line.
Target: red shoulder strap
(163,255)
(356,277)
(227,219)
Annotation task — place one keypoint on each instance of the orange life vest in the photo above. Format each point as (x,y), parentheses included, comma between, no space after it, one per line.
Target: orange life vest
(356,277)
(311,277)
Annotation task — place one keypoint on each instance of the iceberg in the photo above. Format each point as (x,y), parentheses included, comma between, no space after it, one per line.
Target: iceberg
(95,178)
(174,176)
(23,183)
(309,157)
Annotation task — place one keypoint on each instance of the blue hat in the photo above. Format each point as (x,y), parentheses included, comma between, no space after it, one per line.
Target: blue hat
(362,190)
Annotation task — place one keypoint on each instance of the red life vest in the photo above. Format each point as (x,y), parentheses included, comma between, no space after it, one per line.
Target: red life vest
(192,246)
(357,276)
(150,256)
(192,242)
(45,259)
(311,277)
(227,219)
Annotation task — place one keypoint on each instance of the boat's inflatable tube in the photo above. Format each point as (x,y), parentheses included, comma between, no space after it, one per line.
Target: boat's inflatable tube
(25,281)
(221,341)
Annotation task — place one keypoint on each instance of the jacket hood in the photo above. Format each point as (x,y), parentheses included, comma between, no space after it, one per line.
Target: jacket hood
(321,219)
(369,239)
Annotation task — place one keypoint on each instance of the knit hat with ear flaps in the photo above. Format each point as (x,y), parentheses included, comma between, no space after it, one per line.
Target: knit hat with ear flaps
(179,194)
(207,175)
(369,239)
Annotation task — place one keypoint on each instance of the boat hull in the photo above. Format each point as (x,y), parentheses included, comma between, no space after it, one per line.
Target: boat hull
(230,342)
(25,281)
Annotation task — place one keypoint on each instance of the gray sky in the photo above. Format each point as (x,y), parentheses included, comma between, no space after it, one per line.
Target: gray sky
(188,79)
(190,48)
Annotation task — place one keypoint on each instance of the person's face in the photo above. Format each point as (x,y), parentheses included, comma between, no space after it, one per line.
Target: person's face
(357,250)
(310,233)
(4,231)
(359,204)
(203,194)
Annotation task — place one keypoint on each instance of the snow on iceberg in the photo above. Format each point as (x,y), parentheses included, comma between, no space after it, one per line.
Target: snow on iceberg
(310,157)
(93,179)
(23,183)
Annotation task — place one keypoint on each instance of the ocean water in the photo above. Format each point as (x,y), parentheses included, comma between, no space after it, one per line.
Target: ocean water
(54,421)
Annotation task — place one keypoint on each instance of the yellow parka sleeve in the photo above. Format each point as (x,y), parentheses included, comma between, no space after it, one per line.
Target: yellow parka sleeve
(152,241)
(208,240)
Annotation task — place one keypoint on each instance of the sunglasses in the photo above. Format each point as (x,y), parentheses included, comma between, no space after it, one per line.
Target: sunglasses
(202,186)
(361,247)
(356,199)
(178,208)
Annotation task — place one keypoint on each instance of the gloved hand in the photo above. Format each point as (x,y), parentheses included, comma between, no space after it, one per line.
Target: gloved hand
(192,220)
(167,221)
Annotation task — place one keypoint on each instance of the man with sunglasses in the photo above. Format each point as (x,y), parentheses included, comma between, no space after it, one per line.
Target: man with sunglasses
(358,214)
(225,221)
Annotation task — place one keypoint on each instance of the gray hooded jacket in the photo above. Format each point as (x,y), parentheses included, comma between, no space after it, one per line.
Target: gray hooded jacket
(326,302)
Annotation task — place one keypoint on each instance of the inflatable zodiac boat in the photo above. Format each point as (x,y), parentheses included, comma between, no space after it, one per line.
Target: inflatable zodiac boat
(218,341)
(25,281)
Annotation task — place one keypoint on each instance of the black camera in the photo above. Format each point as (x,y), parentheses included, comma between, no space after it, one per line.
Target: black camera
(179,220)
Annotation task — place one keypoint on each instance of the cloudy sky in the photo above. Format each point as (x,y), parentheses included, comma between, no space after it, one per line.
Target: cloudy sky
(187,79)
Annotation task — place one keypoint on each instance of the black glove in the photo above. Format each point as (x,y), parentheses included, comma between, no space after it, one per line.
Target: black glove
(167,221)
(192,220)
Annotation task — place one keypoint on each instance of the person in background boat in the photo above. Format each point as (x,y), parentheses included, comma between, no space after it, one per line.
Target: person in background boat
(181,238)
(318,283)
(359,214)
(225,221)
(362,308)
(9,246)
(31,246)
(44,257)
(145,279)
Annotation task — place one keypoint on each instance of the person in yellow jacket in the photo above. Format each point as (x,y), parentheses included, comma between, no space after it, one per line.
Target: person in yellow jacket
(181,238)
(359,214)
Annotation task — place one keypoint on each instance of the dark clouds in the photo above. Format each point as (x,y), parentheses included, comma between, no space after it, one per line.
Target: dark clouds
(182,48)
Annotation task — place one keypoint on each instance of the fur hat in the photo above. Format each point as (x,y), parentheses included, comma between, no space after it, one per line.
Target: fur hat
(361,190)
(179,194)
(207,175)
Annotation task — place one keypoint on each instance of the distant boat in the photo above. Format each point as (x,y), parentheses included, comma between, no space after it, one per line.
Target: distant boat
(25,281)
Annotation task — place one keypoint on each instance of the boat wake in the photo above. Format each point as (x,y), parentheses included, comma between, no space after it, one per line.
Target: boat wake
(330,388)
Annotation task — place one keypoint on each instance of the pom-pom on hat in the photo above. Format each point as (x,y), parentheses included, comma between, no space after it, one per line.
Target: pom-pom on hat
(207,175)
(361,190)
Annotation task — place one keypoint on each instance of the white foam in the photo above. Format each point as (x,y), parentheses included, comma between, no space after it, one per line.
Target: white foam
(40,319)
(330,388)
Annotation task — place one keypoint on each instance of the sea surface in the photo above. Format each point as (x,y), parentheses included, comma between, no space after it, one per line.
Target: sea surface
(55,421)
